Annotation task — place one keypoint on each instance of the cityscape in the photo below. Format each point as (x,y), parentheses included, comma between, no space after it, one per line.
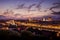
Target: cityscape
(30,19)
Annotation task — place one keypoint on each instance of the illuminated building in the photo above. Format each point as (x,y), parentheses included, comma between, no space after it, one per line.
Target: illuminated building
(49,19)
(30,19)
(12,22)
(44,19)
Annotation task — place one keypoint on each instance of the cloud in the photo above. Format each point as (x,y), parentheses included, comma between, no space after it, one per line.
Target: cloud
(20,6)
(2,17)
(31,6)
(56,13)
(56,5)
(38,6)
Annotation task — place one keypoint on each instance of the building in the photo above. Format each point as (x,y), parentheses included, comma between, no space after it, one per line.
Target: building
(47,19)
(43,19)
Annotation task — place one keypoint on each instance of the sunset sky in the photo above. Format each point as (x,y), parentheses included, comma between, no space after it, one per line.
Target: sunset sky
(28,8)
